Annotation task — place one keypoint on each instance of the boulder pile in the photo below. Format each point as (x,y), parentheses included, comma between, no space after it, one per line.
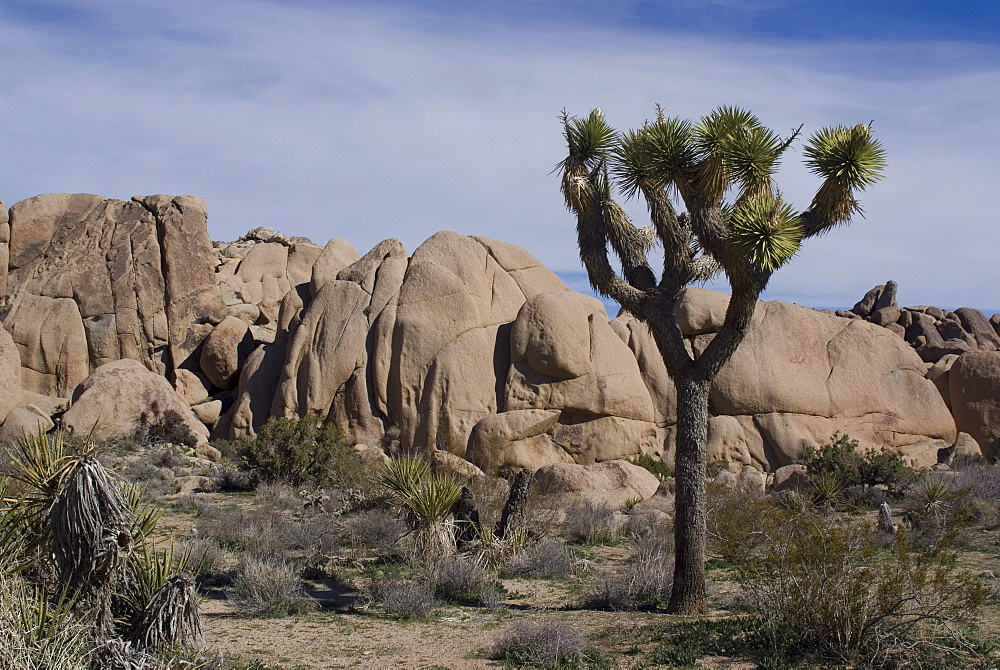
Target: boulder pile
(127,314)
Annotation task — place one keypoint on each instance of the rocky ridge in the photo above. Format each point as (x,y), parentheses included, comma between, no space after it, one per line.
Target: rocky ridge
(467,346)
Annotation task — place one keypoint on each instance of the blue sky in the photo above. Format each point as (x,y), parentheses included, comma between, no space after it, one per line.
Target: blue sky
(369,120)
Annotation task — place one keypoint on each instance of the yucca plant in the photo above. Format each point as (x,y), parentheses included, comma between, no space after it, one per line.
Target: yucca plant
(77,534)
(720,169)
(827,486)
(427,497)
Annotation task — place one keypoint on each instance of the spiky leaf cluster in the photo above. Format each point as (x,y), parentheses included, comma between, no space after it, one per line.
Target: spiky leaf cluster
(849,156)
(765,231)
(427,495)
(728,156)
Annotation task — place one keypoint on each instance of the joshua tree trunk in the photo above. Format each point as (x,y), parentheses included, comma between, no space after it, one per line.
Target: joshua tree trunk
(688,596)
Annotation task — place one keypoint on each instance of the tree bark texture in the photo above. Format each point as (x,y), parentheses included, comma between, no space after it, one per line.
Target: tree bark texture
(688,595)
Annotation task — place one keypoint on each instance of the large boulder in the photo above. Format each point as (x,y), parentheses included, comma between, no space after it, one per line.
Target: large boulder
(799,376)
(224,351)
(96,280)
(10,375)
(974,388)
(805,375)
(123,399)
(193,300)
(611,484)
(450,339)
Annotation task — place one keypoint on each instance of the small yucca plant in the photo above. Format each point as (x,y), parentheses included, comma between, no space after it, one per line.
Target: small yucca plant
(827,486)
(427,497)
(75,533)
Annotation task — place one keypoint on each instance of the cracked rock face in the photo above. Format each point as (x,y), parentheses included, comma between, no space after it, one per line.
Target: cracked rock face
(95,280)
(468,346)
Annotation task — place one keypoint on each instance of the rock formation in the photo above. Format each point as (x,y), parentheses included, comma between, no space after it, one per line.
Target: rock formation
(467,347)
(963,340)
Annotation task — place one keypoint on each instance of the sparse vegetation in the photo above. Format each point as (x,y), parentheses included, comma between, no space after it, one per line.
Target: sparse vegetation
(268,587)
(550,645)
(775,558)
(301,452)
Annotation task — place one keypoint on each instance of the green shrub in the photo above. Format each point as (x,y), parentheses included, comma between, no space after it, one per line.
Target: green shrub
(840,461)
(658,468)
(301,452)
(839,585)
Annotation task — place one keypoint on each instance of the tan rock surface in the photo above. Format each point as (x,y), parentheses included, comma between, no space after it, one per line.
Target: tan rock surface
(974,387)
(224,350)
(123,397)
(10,375)
(258,383)
(612,484)
(23,421)
(565,356)
(336,255)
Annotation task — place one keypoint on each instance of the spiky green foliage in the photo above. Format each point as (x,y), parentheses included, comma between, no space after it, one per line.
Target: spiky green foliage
(432,498)
(403,475)
(765,231)
(69,530)
(849,156)
(848,159)
(427,497)
(583,184)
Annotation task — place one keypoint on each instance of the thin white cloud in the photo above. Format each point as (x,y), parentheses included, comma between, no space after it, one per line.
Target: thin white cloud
(330,120)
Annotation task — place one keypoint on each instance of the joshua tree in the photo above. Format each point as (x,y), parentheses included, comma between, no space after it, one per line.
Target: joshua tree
(736,222)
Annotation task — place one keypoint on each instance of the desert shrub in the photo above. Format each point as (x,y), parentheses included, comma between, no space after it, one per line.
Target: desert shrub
(840,461)
(738,522)
(660,469)
(645,581)
(840,585)
(407,599)
(464,580)
(268,587)
(301,452)
(230,478)
(260,531)
(936,508)
(589,523)
(981,484)
(277,496)
(549,645)
(545,558)
(157,427)
(652,529)
(376,529)
(206,557)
